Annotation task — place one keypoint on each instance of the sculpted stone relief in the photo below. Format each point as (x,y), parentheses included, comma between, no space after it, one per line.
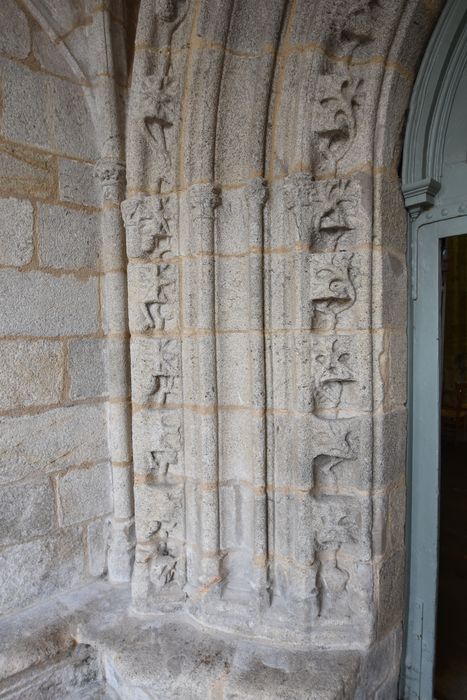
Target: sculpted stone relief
(155,104)
(151,222)
(331,289)
(324,215)
(322,211)
(147,224)
(168,444)
(339,98)
(297,552)
(163,372)
(110,174)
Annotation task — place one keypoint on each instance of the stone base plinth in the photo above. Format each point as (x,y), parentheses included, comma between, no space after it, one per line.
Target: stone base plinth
(92,638)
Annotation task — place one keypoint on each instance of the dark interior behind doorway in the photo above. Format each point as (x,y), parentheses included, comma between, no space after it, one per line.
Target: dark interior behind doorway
(451,640)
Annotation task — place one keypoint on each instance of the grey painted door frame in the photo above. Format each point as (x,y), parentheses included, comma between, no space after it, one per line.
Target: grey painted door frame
(425,455)
(443,65)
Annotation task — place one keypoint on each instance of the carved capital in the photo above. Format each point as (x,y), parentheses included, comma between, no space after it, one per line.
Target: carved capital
(111,175)
(203,201)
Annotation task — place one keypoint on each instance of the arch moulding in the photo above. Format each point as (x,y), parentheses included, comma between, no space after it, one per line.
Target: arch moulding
(266,237)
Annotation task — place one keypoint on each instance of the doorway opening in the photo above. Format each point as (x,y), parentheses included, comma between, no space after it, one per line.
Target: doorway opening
(451,628)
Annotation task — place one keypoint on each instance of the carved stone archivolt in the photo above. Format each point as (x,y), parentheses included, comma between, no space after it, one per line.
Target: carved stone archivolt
(252,492)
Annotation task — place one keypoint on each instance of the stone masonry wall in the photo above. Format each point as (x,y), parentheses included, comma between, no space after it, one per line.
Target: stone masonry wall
(55,475)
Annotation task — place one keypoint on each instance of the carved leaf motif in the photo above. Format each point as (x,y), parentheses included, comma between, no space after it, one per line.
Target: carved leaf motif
(166,446)
(332,291)
(147,223)
(156,110)
(352,24)
(357,28)
(164,372)
(161,557)
(337,520)
(322,210)
(110,174)
(339,98)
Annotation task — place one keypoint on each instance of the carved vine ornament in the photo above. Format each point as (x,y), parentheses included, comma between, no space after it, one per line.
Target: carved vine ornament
(321,218)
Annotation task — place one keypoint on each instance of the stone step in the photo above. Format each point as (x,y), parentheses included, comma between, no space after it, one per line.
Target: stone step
(89,645)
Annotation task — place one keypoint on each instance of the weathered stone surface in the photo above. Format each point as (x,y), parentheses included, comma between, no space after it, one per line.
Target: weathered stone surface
(49,58)
(115,315)
(75,675)
(240,134)
(390,438)
(391,587)
(16,222)
(84,494)
(41,304)
(72,128)
(77,183)
(98,535)
(35,570)
(165,656)
(86,367)
(28,510)
(52,440)
(26,171)
(31,374)
(68,127)
(68,239)
(24,89)
(380,669)
(15,39)
(49,624)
